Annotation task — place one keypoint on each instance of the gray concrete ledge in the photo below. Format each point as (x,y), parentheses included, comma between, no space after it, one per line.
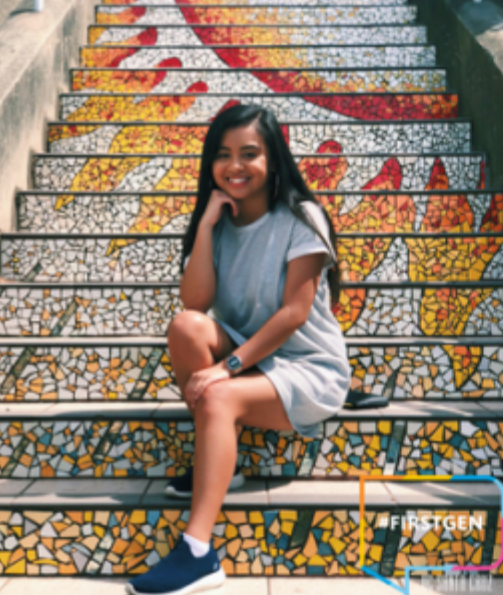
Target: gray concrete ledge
(36,51)
(469,41)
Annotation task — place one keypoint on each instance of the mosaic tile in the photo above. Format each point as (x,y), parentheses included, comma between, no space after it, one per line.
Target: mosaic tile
(277,542)
(248,542)
(33,374)
(308,138)
(497,546)
(119,213)
(452,448)
(441,546)
(432,371)
(429,371)
(269,15)
(139,448)
(78,259)
(68,173)
(176,80)
(264,57)
(188,108)
(258,35)
(93,311)
(259,2)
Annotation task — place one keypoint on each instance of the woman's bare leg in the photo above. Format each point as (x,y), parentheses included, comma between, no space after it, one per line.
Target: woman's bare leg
(248,399)
(196,342)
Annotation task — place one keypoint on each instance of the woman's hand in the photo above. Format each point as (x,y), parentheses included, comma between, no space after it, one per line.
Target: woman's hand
(201,379)
(215,206)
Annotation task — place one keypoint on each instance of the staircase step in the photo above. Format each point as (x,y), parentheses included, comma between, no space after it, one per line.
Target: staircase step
(179,173)
(452,136)
(157,441)
(224,80)
(139,368)
(232,35)
(268,528)
(120,212)
(232,3)
(469,308)
(272,15)
(322,108)
(147,257)
(259,57)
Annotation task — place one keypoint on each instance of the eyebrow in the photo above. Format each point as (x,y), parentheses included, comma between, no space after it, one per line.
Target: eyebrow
(241,148)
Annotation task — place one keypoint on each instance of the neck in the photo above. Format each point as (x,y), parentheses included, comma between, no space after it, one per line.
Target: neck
(249,210)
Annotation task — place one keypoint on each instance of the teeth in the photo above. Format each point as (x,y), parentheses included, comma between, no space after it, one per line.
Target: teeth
(237,180)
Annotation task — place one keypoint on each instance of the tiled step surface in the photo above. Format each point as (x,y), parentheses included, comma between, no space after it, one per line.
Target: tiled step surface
(302,137)
(271,528)
(232,35)
(367,309)
(343,15)
(371,210)
(254,3)
(121,56)
(176,80)
(81,107)
(179,173)
(157,440)
(105,258)
(139,368)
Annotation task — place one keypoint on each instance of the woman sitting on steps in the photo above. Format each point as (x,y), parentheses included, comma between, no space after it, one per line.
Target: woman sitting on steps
(272,355)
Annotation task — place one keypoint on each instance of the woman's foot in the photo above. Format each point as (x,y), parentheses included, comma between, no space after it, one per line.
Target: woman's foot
(180,573)
(181,487)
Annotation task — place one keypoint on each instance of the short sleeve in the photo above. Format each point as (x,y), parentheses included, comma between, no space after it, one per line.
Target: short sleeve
(305,241)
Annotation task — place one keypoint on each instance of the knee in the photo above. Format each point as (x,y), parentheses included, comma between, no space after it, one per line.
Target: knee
(214,402)
(188,324)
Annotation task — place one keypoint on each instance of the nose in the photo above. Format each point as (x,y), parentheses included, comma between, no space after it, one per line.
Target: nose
(235,164)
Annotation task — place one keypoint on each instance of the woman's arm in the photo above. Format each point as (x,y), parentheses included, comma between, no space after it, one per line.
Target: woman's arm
(198,284)
(301,283)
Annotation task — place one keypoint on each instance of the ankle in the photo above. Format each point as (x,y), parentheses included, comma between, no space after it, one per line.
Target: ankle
(198,547)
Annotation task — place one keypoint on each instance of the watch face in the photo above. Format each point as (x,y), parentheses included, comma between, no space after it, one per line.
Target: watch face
(233,362)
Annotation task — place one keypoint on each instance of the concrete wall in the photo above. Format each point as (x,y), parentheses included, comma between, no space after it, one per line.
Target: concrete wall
(36,51)
(469,40)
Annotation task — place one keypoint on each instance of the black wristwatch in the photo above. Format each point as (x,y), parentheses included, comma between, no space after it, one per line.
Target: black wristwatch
(234,364)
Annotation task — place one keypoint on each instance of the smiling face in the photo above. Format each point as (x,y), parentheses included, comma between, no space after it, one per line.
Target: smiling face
(240,166)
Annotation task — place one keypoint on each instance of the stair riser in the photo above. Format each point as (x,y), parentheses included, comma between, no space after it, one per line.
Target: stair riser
(312,57)
(256,2)
(349,137)
(172,108)
(77,448)
(433,372)
(157,260)
(163,173)
(225,81)
(337,16)
(228,35)
(119,213)
(301,57)
(126,311)
(311,541)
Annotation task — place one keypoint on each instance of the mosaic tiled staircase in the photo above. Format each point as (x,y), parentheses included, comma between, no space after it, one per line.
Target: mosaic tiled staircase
(91,422)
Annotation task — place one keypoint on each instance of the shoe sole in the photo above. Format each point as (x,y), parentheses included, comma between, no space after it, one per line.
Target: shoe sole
(236,482)
(210,581)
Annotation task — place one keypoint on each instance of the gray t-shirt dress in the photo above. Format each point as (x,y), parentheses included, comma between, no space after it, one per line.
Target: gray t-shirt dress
(310,370)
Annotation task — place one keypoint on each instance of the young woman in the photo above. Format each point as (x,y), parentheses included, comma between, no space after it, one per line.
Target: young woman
(259,252)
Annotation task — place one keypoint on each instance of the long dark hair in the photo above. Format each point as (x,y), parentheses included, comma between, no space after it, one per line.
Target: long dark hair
(286,185)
